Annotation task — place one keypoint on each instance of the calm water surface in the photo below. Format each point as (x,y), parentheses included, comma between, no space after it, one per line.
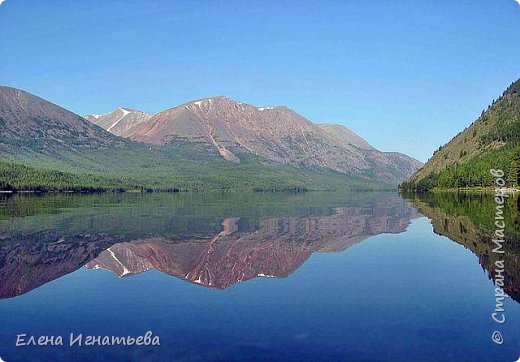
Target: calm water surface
(281,277)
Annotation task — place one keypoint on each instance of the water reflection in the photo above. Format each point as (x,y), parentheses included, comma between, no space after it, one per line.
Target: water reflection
(220,240)
(468,219)
(414,296)
(276,249)
(213,242)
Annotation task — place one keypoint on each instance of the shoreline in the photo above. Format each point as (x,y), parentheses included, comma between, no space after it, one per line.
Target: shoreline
(42,192)
(507,190)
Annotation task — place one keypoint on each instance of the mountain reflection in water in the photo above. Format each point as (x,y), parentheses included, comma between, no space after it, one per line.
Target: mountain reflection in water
(215,243)
(364,274)
(220,240)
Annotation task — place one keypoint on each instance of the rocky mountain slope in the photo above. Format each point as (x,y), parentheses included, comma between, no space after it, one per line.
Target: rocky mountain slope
(120,120)
(490,142)
(277,134)
(345,136)
(28,122)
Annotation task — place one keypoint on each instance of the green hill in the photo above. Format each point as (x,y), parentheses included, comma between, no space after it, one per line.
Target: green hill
(490,142)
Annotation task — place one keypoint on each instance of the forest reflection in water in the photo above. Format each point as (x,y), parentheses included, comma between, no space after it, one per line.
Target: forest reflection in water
(468,218)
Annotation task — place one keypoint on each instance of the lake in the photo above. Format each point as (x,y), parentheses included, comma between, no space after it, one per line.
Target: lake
(318,276)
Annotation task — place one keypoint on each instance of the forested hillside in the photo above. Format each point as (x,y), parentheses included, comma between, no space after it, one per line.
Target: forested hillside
(491,142)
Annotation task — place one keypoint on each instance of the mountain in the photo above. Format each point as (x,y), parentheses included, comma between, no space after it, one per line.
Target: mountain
(490,142)
(46,147)
(278,134)
(205,145)
(120,120)
(345,136)
(28,122)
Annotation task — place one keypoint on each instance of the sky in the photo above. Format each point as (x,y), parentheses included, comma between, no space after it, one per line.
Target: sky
(406,75)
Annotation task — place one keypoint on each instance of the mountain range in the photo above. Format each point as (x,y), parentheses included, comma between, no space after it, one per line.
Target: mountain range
(490,142)
(212,143)
(278,134)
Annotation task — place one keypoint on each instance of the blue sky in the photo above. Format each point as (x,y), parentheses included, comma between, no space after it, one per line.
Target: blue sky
(405,75)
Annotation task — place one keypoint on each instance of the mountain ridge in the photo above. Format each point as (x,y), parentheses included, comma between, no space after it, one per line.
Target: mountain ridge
(278,134)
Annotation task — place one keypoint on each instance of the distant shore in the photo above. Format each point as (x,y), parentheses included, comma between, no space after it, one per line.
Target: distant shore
(136,191)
